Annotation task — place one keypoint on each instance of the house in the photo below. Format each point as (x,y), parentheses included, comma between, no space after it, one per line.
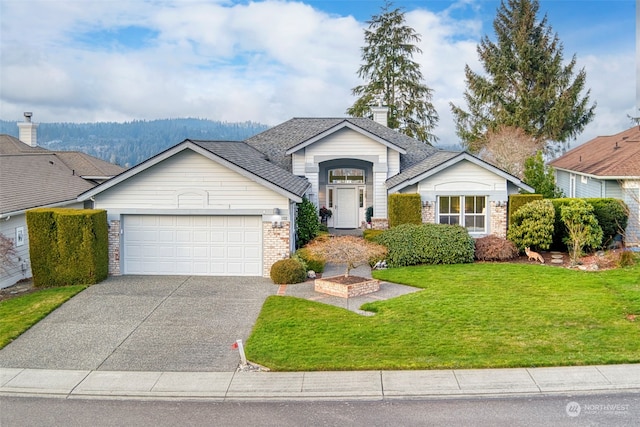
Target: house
(606,166)
(31,177)
(228,208)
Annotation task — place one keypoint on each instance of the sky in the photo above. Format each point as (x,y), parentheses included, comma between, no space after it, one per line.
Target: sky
(269,61)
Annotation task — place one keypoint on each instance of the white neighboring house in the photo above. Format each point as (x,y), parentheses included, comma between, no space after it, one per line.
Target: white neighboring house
(228,208)
(32,177)
(606,166)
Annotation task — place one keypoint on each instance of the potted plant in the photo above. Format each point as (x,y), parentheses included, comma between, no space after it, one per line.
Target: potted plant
(325,214)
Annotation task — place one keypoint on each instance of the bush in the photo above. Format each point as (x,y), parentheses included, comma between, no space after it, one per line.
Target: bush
(411,244)
(68,246)
(311,260)
(516,201)
(582,227)
(533,225)
(288,271)
(612,216)
(307,223)
(494,248)
(404,209)
(370,234)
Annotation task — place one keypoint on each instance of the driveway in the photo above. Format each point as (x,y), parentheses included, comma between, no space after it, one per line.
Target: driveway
(145,323)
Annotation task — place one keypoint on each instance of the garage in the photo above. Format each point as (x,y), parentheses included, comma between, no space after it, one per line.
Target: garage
(192,245)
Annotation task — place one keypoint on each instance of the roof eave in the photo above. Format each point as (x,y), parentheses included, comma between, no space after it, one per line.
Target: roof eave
(602,177)
(342,125)
(7,215)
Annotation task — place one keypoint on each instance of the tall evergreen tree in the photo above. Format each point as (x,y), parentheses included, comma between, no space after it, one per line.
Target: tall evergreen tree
(394,78)
(525,83)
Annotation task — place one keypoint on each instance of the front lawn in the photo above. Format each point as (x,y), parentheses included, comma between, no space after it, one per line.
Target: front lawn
(468,316)
(20,313)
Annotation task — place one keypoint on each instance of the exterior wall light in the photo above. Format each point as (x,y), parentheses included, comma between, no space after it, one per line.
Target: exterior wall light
(276,219)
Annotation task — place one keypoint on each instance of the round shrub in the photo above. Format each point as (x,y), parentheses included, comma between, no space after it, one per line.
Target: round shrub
(312,260)
(494,248)
(287,271)
(533,225)
(412,244)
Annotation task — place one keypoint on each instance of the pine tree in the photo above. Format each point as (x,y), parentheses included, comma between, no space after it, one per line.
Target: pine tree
(394,78)
(525,83)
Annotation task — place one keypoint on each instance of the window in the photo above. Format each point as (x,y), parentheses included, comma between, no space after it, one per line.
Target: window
(346,176)
(469,211)
(361,197)
(330,197)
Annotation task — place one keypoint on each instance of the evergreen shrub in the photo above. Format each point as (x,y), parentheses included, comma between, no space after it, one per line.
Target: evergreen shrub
(533,225)
(311,260)
(404,209)
(411,244)
(288,271)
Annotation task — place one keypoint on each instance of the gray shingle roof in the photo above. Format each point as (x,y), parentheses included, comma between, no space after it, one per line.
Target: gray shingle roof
(251,160)
(425,165)
(276,141)
(34,176)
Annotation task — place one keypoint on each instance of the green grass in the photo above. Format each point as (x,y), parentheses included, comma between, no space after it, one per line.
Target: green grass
(467,316)
(20,313)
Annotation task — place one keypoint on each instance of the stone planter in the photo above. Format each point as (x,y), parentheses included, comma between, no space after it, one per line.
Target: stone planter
(346,287)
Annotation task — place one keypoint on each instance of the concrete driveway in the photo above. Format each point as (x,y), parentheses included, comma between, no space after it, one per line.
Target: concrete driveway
(145,323)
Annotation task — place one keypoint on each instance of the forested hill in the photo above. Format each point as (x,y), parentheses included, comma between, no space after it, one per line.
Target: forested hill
(128,144)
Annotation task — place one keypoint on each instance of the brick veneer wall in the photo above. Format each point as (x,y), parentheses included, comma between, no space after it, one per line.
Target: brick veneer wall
(114,248)
(275,245)
(429,214)
(498,219)
(379,223)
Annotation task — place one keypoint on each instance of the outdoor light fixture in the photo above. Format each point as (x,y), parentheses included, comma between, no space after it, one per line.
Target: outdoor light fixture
(276,219)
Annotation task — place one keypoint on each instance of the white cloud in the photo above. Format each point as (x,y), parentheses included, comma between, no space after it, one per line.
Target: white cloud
(263,61)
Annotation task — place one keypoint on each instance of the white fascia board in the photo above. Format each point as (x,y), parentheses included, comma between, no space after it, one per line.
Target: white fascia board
(452,161)
(603,178)
(23,211)
(343,125)
(173,151)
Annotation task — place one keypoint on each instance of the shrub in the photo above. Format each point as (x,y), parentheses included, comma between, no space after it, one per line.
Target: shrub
(411,244)
(582,227)
(541,177)
(494,248)
(370,235)
(612,216)
(307,222)
(627,259)
(311,260)
(288,271)
(404,209)
(516,201)
(533,225)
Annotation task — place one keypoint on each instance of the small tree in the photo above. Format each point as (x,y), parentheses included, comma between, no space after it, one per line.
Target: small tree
(508,148)
(307,223)
(582,227)
(350,250)
(7,253)
(532,225)
(541,177)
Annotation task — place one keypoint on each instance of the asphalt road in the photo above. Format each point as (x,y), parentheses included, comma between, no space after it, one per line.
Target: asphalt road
(622,409)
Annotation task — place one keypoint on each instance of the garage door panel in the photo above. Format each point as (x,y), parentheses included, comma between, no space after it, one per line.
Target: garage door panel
(198,245)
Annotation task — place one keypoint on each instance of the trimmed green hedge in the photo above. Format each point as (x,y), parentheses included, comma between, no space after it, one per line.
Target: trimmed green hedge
(287,271)
(411,244)
(68,246)
(404,209)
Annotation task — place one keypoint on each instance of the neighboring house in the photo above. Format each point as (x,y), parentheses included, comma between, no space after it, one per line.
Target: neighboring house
(228,208)
(606,166)
(31,177)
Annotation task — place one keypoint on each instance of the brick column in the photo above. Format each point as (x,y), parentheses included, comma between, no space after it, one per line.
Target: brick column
(429,214)
(275,245)
(114,248)
(498,219)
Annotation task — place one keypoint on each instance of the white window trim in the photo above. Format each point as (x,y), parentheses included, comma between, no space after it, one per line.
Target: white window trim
(461,214)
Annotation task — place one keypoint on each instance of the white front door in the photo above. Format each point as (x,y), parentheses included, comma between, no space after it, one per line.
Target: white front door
(346,208)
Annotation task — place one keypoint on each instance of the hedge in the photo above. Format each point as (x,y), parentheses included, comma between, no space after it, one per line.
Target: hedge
(68,246)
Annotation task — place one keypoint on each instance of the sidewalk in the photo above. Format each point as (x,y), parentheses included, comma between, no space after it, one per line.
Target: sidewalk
(350,385)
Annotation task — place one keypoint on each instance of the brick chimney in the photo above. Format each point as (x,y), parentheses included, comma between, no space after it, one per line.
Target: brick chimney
(28,131)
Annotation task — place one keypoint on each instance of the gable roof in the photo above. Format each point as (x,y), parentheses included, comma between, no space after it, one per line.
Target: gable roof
(277,141)
(33,177)
(614,156)
(440,161)
(235,155)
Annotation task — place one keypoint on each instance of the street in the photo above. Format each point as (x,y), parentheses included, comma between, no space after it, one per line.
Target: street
(619,409)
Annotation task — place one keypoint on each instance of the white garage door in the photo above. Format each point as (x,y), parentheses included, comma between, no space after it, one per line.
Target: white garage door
(194,245)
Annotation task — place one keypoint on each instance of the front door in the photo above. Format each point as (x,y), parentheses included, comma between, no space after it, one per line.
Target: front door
(346,208)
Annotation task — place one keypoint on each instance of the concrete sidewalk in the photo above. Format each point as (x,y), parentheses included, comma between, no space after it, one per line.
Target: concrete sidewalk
(350,385)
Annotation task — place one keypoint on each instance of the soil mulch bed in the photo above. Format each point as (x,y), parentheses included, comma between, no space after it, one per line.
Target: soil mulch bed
(23,287)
